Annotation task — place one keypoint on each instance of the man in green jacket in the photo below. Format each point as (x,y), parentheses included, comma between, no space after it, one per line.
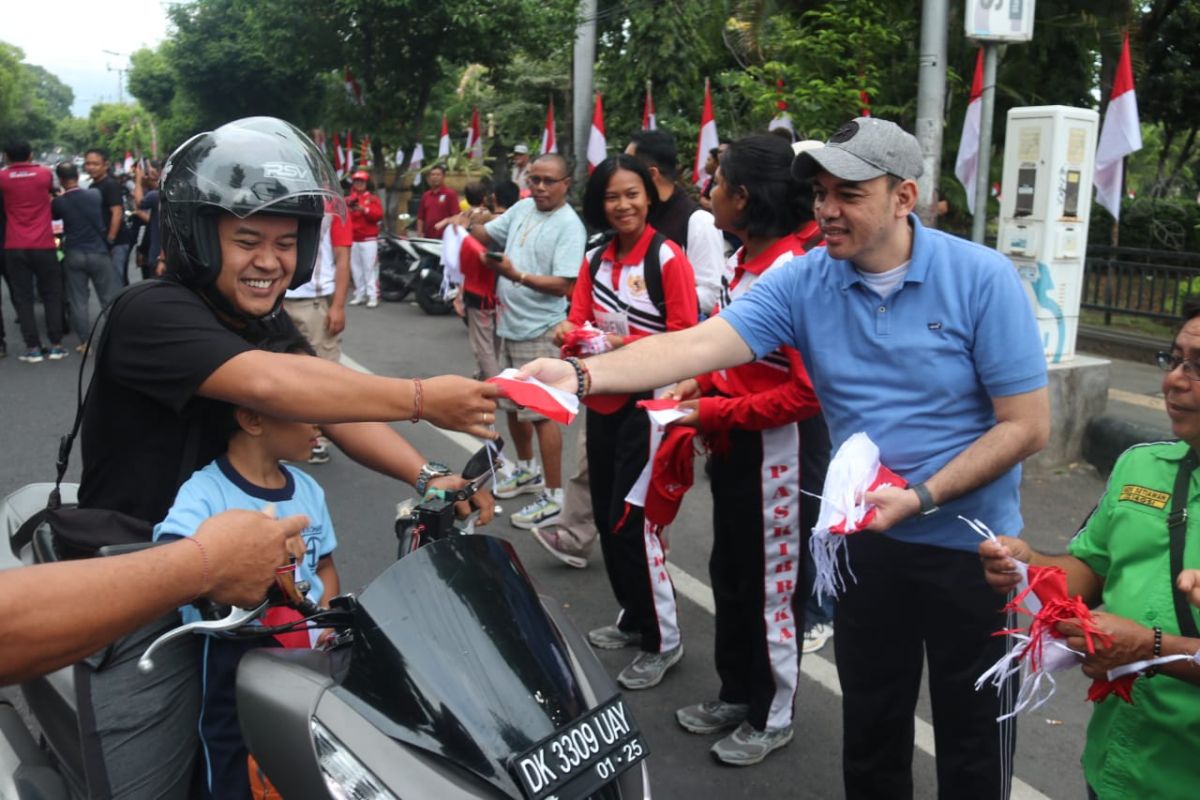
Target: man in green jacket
(1121,557)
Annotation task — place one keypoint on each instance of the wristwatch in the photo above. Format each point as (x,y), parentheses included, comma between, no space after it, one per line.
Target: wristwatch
(428,472)
(927,504)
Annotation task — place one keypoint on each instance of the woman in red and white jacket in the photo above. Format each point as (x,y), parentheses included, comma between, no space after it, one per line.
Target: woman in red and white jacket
(638,284)
(365,212)
(767,441)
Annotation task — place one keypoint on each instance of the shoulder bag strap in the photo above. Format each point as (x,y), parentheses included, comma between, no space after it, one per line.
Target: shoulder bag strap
(652,272)
(1177,525)
(95,343)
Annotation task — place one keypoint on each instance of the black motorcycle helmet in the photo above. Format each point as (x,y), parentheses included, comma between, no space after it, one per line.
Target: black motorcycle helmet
(257,165)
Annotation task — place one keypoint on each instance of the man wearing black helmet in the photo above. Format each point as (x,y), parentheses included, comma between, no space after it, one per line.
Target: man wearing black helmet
(241,216)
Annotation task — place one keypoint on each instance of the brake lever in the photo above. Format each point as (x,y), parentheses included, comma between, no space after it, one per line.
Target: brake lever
(237,617)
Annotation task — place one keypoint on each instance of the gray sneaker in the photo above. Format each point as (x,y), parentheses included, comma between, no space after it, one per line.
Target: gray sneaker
(552,540)
(648,669)
(747,746)
(610,637)
(711,716)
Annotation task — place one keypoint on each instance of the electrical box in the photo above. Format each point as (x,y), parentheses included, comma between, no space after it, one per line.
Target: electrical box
(1045,201)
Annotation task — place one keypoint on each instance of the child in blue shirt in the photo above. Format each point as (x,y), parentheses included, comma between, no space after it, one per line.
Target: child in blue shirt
(251,476)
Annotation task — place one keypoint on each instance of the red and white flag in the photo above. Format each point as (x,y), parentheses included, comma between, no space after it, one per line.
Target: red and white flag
(597,149)
(348,160)
(1120,135)
(128,162)
(339,165)
(549,140)
(649,118)
(352,88)
(474,142)
(444,141)
(708,137)
(531,393)
(966,166)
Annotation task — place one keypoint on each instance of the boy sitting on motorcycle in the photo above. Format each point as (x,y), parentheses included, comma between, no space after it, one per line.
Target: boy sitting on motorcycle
(250,475)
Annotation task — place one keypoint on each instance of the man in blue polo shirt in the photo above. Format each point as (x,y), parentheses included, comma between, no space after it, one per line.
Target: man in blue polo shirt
(927,343)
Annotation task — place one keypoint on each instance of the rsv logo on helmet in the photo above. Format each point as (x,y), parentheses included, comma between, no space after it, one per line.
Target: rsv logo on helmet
(284,171)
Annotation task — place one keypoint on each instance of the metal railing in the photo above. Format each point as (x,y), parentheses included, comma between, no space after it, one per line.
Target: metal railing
(1140,283)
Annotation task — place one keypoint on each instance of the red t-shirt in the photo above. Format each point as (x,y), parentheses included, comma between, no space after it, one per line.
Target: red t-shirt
(478,278)
(26,189)
(340,234)
(436,205)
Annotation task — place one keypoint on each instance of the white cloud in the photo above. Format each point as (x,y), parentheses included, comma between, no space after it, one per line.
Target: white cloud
(69,37)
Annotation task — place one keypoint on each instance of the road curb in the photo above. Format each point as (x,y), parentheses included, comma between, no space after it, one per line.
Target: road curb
(1107,437)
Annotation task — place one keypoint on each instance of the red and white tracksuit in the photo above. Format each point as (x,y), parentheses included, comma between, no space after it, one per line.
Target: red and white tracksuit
(767,440)
(364,221)
(618,433)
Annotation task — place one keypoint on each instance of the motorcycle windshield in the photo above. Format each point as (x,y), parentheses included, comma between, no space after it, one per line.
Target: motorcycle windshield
(454,654)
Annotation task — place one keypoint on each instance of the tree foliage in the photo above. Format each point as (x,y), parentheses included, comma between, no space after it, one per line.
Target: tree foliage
(32,100)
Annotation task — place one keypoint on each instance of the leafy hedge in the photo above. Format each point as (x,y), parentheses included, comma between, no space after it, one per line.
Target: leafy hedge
(1153,223)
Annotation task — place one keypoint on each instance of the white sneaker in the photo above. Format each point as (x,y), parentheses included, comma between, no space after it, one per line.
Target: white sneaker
(357,300)
(539,512)
(372,303)
(519,481)
(816,637)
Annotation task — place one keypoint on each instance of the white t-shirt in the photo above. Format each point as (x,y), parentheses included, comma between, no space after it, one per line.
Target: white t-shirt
(321,282)
(885,283)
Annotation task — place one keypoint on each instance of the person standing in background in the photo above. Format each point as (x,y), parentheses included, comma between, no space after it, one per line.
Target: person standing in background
(438,202)
(365,213)
(29,252)
(86,253)
(95,163)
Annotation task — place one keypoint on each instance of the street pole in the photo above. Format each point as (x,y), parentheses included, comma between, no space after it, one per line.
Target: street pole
(581,89)
(931,104)
(987,110)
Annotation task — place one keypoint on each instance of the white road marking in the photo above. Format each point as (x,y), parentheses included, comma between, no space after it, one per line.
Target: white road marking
(815,666)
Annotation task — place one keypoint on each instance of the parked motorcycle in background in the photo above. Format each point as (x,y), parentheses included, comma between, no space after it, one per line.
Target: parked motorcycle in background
(413,266)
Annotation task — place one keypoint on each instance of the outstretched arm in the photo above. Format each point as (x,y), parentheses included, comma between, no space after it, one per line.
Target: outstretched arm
(299,387)
(653,361)
(54,614)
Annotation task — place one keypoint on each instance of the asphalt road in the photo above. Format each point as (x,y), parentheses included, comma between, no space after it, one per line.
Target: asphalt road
(36,407)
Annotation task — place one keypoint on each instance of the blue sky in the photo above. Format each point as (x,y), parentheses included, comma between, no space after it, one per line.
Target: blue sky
(69,37)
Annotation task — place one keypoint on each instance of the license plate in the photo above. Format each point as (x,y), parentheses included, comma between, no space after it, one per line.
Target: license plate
(577,760)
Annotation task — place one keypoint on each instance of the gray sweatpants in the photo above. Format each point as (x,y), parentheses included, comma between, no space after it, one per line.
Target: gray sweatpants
(80,268)
(139,731)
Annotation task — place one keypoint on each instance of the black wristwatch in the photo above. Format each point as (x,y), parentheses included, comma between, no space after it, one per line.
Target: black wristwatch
(428,472)
(927,504)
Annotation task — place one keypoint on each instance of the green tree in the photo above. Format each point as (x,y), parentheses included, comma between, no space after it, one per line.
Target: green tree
(152,79)
(240,58)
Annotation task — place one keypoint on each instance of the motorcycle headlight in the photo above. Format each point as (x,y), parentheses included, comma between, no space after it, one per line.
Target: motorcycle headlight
(346,777)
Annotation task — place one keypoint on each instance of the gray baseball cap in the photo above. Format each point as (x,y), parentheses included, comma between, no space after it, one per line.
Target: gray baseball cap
(861,150)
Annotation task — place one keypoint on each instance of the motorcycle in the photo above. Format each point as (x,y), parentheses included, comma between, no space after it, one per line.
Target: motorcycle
(447,677)
(412,266)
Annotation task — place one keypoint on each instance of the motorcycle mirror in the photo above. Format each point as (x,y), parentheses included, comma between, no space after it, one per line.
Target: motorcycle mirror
(483,461)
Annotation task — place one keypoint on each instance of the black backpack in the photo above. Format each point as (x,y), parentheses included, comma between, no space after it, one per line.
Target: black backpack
(651,269)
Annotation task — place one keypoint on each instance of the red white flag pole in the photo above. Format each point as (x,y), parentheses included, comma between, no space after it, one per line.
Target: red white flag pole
(1120,135)
(444,140)
(708,136)
(966,165)
(597,149)
(649,117)
(549,140)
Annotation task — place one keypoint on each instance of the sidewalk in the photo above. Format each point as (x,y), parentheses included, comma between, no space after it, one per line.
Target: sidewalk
(1134,413)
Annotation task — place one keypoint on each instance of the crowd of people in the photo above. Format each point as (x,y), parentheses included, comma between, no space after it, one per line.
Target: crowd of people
(793,304)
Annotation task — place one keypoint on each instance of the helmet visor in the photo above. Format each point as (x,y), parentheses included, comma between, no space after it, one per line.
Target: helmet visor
(254,166)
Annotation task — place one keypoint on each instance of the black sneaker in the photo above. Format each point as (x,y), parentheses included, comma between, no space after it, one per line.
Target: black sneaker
(31,356)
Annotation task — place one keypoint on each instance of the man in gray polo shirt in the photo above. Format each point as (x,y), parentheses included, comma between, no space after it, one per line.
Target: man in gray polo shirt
(543,242)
